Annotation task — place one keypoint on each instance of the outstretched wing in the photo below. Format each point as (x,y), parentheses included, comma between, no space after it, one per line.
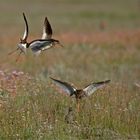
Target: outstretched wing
(47,30)
(25,35)
(40,45)
(90,89)
(66,87)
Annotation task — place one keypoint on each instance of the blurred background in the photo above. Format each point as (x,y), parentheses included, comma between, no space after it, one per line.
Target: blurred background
(91,23)
(101,41)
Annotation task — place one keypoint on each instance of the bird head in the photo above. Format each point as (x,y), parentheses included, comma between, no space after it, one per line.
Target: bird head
(22,45)
(57,43)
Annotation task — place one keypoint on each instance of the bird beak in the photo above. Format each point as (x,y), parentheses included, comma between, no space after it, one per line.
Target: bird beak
(59,44)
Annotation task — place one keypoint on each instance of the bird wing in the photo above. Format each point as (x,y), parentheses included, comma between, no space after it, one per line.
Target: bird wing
(90,89)
(25,35)
(66,87)
(40,45)
(47,30)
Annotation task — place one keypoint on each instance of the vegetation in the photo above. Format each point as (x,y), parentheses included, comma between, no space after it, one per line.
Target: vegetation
(102,41)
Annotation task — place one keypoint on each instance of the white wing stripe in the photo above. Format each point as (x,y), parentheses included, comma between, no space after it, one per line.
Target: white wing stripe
(93,87)
(65,86)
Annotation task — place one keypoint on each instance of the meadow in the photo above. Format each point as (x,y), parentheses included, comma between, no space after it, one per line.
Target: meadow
(101,41)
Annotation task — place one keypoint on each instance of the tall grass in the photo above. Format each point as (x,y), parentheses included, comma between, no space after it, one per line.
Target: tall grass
(30,105)
(38,110)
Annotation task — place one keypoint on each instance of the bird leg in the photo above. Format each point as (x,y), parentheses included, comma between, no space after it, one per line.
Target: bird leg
(78,105)
(13,51)
(18,56)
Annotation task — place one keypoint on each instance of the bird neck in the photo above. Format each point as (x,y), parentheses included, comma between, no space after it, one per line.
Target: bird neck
(27,45)
(79,94)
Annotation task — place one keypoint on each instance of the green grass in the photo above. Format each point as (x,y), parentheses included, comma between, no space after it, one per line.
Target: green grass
(37,110)
(40,115)
(68,15)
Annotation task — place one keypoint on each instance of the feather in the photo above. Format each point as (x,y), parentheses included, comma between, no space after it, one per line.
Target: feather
(47,30)
(90,89)
(66,87)
(25,35)
(40,45)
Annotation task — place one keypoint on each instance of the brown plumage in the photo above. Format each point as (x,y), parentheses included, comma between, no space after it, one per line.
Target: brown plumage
(79,93)
(47,30)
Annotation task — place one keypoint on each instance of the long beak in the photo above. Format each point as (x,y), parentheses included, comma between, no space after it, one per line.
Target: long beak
(59,44)
(13,51)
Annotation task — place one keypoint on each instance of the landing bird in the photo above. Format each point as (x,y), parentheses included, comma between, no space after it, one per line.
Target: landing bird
(46,42)
(23,41)
(71,90)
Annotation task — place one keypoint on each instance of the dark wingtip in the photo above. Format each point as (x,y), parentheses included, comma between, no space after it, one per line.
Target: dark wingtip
(26,28)
(52,78)
(55,80)
(23,14)
(46,20)
(107,81)
(24,17)
(103,82)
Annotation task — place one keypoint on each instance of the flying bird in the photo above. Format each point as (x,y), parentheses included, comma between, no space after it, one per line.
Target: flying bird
(37,45)
(46,42)
(23,44)
(71,90)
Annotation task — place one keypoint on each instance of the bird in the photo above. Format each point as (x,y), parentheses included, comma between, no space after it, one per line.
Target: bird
(71,90)
(46,42)
(69,117)
(37,45)
(23,44)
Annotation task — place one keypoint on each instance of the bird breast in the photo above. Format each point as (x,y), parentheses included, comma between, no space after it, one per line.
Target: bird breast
(22,47)
(80,94)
